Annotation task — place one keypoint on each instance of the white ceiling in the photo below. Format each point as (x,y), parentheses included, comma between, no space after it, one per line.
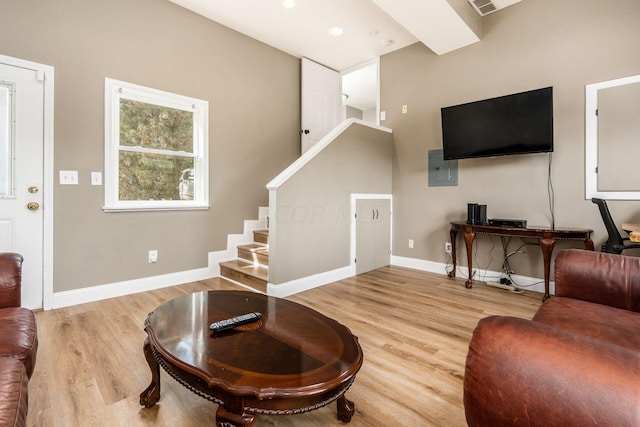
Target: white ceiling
(371,27)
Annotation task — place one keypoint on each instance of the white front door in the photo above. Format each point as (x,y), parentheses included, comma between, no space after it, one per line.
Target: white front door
(21,174)
(321,102)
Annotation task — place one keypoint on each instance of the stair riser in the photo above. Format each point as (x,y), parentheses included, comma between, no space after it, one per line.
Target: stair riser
(238,276)
(256,257)
(261,236)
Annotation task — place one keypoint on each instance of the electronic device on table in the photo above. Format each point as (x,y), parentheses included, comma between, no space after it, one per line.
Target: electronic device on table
(512,223)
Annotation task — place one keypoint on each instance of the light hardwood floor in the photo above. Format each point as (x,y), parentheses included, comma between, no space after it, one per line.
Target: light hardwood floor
(414,328)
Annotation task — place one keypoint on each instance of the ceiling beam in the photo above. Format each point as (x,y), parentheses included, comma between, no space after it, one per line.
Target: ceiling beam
(435,23)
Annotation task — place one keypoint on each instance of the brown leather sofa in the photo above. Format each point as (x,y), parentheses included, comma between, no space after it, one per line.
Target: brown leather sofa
(576,363)
(18,343)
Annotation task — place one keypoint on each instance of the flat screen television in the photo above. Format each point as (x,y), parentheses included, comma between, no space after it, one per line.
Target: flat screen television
(512,124)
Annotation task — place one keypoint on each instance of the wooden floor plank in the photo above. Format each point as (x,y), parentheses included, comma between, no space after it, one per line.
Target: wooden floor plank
(414,328)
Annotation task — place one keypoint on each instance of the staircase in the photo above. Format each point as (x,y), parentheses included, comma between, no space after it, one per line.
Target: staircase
(251,267)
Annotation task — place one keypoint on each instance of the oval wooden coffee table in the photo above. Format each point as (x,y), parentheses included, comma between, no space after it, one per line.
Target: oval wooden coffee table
(291,361)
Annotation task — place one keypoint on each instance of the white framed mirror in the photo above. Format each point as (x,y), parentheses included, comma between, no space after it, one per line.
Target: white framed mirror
(612,139)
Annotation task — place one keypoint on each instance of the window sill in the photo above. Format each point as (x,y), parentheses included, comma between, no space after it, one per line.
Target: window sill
(110,209)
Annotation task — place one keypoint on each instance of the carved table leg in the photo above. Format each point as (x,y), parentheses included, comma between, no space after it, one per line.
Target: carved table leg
(452,238)
(346,408)
(468,240)
(151,394)
(235,415)
(547,247)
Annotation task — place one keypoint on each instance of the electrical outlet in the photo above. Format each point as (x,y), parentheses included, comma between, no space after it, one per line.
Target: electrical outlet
(447,247)
(153,256)
(410,243)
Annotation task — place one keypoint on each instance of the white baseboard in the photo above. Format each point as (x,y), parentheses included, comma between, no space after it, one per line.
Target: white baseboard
(309,282)
(524,282)
(100,292)
(128,287)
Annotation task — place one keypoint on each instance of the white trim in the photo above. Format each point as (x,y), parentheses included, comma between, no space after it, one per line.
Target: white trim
(591,141)
(112,290)
(48,175)
(309,282)
(128,287)
(527,283)
(305,158)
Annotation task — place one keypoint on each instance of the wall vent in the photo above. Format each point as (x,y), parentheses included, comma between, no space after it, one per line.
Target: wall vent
(483,7)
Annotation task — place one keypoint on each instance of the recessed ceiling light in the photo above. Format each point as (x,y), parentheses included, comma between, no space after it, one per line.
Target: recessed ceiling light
(288,3)
(336,31)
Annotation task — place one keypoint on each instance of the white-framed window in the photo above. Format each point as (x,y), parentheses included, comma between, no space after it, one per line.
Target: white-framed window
(156,149)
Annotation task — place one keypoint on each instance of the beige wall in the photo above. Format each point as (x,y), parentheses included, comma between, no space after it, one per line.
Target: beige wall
(565,44)
(253,93)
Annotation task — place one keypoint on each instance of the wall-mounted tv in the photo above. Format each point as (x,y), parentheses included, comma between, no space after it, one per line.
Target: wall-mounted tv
(512,124)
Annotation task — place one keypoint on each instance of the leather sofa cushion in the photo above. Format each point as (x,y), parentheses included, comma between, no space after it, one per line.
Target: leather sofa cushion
(602,322)
(13,392)
(18,336)
(523,373)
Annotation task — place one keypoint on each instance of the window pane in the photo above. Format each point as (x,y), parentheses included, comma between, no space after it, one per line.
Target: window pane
(155,177)
(153,126)
(6,147)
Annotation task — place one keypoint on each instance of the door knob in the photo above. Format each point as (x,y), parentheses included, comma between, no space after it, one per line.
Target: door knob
(33,206)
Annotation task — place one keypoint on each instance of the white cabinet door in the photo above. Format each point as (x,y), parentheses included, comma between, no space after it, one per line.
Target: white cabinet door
(373,234)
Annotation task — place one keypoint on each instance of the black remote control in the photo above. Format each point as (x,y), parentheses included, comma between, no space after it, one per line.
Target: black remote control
(225,324)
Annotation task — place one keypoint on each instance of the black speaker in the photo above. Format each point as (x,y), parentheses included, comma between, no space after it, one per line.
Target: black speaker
(482,214)
(472,213)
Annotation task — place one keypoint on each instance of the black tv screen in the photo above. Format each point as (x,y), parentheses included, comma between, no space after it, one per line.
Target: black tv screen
(511,124)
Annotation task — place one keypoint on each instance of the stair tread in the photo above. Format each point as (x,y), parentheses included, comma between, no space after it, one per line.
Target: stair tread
(254,247)
(249,269)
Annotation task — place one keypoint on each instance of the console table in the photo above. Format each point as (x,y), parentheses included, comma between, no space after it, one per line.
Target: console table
(546,236)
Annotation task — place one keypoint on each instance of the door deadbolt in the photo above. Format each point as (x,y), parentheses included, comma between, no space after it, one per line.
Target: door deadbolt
(33,189)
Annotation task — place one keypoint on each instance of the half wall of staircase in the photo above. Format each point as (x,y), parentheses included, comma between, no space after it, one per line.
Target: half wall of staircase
(310,205)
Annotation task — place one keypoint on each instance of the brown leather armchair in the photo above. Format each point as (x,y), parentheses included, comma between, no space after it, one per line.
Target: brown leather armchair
(18,343)
(576,363)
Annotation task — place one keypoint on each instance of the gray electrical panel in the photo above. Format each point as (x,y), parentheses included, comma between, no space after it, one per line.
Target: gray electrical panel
(442,173)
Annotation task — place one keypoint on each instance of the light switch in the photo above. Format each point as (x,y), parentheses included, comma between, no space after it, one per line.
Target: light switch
(68,177)
(96,178)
